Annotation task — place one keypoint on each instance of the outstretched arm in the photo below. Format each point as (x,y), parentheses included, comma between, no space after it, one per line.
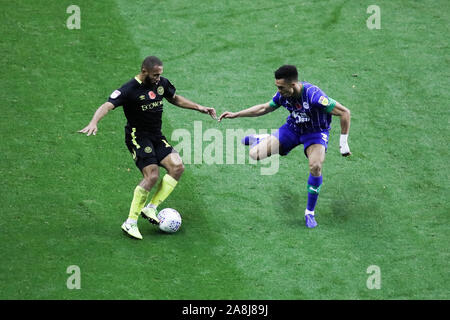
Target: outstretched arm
(255,111)
(91,128)
(344,113)
(182,102)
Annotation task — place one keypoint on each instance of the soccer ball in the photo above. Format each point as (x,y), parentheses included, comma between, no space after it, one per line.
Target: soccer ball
(169,220)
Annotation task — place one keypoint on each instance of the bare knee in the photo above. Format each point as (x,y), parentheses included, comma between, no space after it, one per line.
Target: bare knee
(176,170)
(315,167)
(254,153)
(150,178)
(153,178)
(259,153)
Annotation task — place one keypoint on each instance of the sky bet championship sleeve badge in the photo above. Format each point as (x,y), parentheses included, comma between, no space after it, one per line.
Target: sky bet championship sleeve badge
(323,101)
(115,94)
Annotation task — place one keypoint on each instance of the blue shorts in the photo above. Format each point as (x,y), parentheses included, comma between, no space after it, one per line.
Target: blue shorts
(289,139)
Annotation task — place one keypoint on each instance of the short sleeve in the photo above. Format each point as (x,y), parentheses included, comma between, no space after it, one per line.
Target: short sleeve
(275,103)
(169,90)
(320,100)
(118,97)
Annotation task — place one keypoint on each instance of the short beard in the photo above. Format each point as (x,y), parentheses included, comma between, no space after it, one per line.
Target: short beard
(148,81)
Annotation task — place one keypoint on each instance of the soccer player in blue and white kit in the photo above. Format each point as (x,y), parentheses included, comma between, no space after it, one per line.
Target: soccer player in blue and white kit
(308,123)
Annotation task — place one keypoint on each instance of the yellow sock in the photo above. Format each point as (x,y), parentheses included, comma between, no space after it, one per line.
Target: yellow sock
(164,189)
(139,198)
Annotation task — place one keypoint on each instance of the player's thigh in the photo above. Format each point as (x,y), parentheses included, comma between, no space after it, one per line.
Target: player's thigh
(172,161)
(316,154)
(288,139)
(168,157)
(163,150)
(265,148)
(151,172)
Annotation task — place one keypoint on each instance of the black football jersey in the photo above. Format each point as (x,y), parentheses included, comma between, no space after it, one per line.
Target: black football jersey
(143,103)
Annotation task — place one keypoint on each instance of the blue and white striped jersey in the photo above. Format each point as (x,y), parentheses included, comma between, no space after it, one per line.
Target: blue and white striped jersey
(310,112)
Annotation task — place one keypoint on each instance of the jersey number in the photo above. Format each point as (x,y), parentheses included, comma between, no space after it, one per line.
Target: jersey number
(166,143)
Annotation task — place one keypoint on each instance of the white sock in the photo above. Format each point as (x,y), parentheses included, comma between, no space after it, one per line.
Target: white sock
(151,205)
(131,221)
(343,139)
(309,212)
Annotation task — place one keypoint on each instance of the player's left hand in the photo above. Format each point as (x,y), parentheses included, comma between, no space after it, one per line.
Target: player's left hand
(210,111)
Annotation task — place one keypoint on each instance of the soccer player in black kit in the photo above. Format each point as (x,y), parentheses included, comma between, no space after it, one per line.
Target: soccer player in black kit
(142,101)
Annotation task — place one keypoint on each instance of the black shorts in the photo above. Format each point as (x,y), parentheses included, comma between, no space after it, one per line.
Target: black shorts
(146,148)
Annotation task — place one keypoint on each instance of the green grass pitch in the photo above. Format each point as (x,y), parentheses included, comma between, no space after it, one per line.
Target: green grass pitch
(64,196)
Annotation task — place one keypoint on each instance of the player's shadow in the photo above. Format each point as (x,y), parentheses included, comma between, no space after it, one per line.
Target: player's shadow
(292,204)
(341,209)
(345,209)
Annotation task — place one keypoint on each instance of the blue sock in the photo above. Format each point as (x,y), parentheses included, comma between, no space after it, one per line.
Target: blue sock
(314,184)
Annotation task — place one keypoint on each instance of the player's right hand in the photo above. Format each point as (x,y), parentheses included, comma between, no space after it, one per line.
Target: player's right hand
(228,114)
(89,129)
(210,111)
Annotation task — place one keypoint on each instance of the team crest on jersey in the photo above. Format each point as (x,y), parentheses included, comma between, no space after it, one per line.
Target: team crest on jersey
(323,101)
(160,90)
(152,95)
(306,105)
(148,149)
(115,94)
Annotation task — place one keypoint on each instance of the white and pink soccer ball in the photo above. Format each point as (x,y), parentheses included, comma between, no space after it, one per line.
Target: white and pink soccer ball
(169,220)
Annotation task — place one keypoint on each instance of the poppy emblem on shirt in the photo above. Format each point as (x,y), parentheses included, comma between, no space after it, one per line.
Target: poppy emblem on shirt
(152,95)
(298,105)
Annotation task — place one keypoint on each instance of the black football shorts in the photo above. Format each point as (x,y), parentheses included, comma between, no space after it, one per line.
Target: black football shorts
(146,148)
